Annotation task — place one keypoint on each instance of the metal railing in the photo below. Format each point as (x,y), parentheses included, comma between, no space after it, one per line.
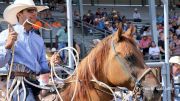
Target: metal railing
(93,29)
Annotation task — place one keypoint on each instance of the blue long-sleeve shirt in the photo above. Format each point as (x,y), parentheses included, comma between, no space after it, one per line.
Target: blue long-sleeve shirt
(29,50)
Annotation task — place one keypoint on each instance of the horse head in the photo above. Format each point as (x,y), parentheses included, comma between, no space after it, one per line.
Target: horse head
(124,66)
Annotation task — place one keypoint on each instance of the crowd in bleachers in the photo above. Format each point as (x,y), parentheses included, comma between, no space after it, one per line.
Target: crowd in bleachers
(104,20)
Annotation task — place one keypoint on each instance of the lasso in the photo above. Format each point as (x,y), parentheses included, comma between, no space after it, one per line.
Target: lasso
(76,69)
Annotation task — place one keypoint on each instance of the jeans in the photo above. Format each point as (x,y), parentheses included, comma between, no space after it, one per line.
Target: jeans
(29,96)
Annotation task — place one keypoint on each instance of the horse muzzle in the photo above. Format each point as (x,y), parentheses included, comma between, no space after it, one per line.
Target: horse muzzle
(152,93)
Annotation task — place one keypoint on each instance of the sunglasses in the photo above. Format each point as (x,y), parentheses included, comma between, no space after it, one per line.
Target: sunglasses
(31,10)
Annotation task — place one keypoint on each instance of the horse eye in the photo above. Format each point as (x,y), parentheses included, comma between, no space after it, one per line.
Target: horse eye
(131,59)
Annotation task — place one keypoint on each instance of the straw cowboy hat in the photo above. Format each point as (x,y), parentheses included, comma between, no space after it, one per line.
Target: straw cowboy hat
(175,59)
(11,11)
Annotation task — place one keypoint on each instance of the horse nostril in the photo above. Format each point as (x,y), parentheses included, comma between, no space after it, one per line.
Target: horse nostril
(158,89)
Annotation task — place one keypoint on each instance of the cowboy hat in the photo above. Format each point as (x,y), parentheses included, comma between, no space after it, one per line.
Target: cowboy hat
(175,59)
(11,11)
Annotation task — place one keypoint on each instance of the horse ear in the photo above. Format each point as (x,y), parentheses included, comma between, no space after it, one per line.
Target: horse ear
(118,33)
(130,31)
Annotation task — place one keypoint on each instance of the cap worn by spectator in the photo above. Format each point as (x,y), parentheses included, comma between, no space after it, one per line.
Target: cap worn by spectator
(175,59)
(96,41)
(135,9)
(145,34)
(53,49)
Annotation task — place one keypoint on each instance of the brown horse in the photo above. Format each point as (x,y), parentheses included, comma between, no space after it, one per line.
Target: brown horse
(115,61)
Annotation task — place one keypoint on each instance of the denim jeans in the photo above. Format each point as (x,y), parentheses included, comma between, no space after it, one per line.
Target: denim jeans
(29,96)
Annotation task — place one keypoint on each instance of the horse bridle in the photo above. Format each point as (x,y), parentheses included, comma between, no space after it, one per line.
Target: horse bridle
(121,61)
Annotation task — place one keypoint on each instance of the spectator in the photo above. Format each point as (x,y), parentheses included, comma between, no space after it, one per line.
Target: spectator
(147,31)
(61,38)
(77,18)
(178,21)
(161,44)
(104,12)
(178,31)
(160,19)
(108,26)
(77,47)
(98,12)
(175,45)
(101,25)
(154,51)
(136,16)
(144,44)
(160,27)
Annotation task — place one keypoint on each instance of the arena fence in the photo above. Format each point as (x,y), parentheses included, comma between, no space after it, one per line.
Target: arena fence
(160,70)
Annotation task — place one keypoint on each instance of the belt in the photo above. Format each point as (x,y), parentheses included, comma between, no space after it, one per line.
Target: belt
(23,74)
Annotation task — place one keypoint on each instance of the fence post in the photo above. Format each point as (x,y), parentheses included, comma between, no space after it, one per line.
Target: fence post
(164,81)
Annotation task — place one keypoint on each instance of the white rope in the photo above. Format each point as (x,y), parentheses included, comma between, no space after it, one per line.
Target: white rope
(18,94)
(76,64)
(15,88)
(24,88)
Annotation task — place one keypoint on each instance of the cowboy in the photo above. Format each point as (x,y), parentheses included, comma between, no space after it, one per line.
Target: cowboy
(29,50)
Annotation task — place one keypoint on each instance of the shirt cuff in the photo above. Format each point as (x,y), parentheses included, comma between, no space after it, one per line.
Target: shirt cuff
(7,51)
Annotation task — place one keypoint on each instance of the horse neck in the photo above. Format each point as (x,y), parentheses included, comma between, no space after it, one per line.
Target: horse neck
(85,89)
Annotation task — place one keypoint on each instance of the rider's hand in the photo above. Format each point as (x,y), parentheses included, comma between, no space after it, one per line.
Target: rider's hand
(55,58)
(12,37)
